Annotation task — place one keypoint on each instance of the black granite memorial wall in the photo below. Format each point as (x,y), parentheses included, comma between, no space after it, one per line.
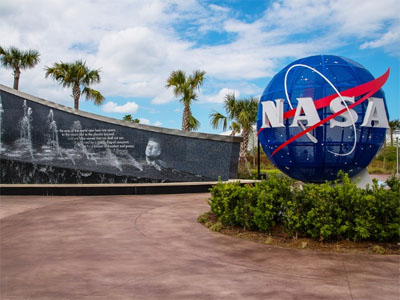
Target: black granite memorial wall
(44,142)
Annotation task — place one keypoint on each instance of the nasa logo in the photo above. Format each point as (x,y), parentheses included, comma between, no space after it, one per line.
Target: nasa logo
(320,115)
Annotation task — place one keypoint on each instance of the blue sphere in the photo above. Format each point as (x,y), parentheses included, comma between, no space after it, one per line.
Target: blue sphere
(304,159)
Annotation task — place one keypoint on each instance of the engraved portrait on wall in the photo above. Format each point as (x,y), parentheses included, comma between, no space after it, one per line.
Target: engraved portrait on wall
(153,153)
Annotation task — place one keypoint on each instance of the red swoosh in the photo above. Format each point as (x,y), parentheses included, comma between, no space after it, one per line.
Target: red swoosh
(371,87)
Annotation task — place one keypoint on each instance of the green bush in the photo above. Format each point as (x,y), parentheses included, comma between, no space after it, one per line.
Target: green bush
(270,195)
(382,209)
(328,211)
(232,204)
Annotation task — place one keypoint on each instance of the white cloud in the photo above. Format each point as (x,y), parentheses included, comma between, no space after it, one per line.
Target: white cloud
(390,40)
(144,121)
(128,107)
(220,97)
(157,123)
(346,17)
(132,49)
(218,8)
(136,43)
(364,18)
(164,96)
(387,38)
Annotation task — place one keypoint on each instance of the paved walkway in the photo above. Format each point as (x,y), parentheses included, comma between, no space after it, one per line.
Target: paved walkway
(151,247)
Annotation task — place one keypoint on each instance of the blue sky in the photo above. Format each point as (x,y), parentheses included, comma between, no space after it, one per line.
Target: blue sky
(240,44)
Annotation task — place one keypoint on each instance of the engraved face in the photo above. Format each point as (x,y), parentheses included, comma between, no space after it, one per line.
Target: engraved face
(153,149)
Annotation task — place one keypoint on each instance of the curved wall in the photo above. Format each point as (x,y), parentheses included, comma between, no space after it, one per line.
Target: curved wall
(44,142)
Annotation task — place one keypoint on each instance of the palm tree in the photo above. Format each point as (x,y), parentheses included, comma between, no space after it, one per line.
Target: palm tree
(185,87)
(17,60)
(393,125)
(129,118)
(78,76)
(243,115)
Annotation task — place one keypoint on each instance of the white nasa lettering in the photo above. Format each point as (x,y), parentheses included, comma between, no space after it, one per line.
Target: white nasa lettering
(310,115)
(375,115)
(376,112)
(337,105)
(272,114)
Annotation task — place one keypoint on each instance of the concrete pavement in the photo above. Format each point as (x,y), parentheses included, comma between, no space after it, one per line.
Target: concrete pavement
(151,247)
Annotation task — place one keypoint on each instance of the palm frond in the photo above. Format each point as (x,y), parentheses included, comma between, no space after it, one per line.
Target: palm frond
(177,79)
(91,77)
(235,128)
(30,58)
(194,124)
(230,105)
(217,119)
(60,72)
(196,79)
(94,95)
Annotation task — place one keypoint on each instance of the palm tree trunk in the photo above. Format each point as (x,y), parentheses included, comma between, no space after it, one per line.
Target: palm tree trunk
(76,94)
(384,155)
(17,74)
(185,119)
(243,149)
(391,136)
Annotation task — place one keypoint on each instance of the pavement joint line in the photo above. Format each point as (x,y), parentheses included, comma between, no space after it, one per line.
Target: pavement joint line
(347,278)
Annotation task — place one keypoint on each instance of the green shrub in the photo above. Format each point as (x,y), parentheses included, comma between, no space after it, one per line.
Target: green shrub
(394,184)
(223,201)
(294,210)
(382,209)
(244,210)
(271,194)
(328,211)
(233,204)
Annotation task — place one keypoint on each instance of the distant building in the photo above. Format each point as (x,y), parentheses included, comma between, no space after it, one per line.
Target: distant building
(396,135)
(252,138)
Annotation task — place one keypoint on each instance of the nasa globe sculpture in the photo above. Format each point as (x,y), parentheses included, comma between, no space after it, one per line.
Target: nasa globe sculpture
(322,114)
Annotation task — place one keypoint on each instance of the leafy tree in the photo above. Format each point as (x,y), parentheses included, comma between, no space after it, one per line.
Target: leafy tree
(185,87)
(129,118)
(78,76)
(243,115)
(17,60)
(393,125)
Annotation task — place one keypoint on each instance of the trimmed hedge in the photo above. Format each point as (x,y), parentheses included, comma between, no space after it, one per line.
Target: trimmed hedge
(328,211)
